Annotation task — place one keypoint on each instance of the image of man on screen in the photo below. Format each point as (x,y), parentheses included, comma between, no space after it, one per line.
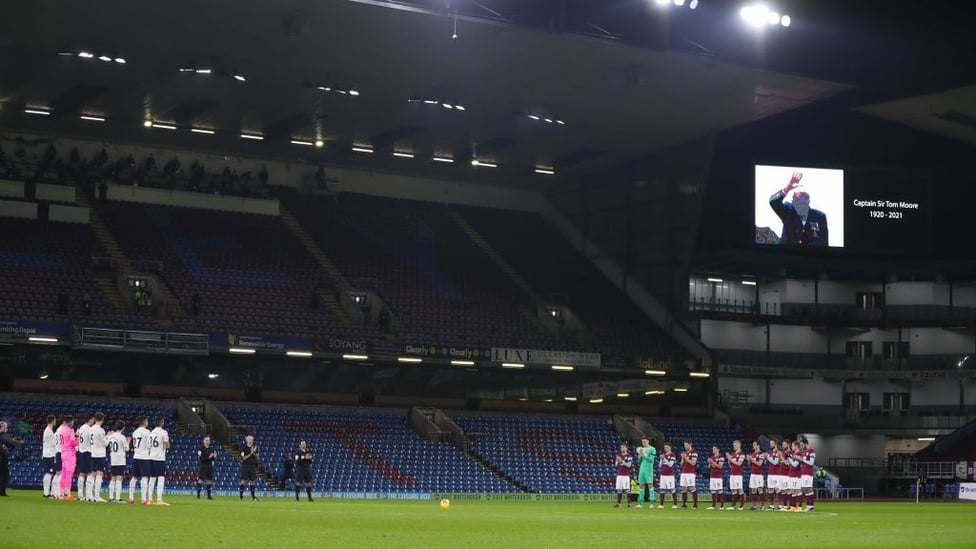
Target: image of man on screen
(802,225)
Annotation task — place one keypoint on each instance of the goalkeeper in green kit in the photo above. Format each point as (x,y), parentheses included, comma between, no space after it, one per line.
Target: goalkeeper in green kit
(645,476)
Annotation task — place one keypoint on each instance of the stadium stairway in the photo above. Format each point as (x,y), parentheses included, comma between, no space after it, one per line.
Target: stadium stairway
(323,260)
(587,338)
(634,428)
(465,448)
(108,284)
(504,267)
(263,474)
(960,437)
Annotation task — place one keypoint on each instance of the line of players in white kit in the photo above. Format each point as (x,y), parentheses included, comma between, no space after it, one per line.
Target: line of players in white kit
(95,452)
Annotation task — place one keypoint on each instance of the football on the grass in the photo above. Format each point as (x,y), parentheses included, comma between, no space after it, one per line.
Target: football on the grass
(445,503)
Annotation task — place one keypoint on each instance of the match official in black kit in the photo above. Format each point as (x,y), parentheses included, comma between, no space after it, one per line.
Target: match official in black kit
(303,471)
(249,466)
(7,444)
(207,455)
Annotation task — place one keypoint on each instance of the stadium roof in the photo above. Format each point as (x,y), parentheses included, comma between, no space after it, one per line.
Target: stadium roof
(617,101)
(950,113)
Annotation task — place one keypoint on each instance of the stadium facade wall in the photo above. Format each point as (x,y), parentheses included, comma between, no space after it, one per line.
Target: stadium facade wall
(837,293)
(187,199)
(438,191)
(937,392)
(54,193)
(904,445)
(56,386)
(774,293)
(916,293)
(817,392)
(805,391)
(743,336)
(216,393)
(11,189)
(14,208)
(964,296)
(68,214)
(939,341)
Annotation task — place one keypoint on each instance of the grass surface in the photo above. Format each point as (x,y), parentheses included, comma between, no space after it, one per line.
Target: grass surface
(27,520)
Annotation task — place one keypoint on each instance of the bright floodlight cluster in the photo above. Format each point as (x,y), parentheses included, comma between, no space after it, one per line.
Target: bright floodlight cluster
(236,74)
(547,119)
(85,54)
(447,104)
(759,15)
(329,88)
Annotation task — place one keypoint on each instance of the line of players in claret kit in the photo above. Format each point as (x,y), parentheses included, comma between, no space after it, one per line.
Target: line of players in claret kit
(788,467)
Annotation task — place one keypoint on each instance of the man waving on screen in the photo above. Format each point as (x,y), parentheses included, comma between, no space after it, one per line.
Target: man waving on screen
(802,225)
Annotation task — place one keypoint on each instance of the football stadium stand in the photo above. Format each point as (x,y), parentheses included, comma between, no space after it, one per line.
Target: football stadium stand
(561,454)
(49,260)
(225,267)
(440,285)
(248,271)
(520,237)
(361,449)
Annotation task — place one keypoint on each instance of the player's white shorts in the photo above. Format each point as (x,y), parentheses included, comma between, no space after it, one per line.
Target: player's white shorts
(688,480)
(623,482)
(793,483)
(775,482)
(756,482)
(735,482)
(806,481)
(714,485)
(667,483)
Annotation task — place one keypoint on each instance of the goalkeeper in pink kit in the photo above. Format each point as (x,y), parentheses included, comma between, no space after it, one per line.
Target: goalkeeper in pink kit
(69,442)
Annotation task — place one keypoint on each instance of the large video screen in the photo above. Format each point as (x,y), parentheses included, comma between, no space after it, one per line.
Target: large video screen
(799,206)
(866,209)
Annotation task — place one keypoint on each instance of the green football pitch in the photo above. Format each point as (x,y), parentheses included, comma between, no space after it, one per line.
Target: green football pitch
(27,520)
